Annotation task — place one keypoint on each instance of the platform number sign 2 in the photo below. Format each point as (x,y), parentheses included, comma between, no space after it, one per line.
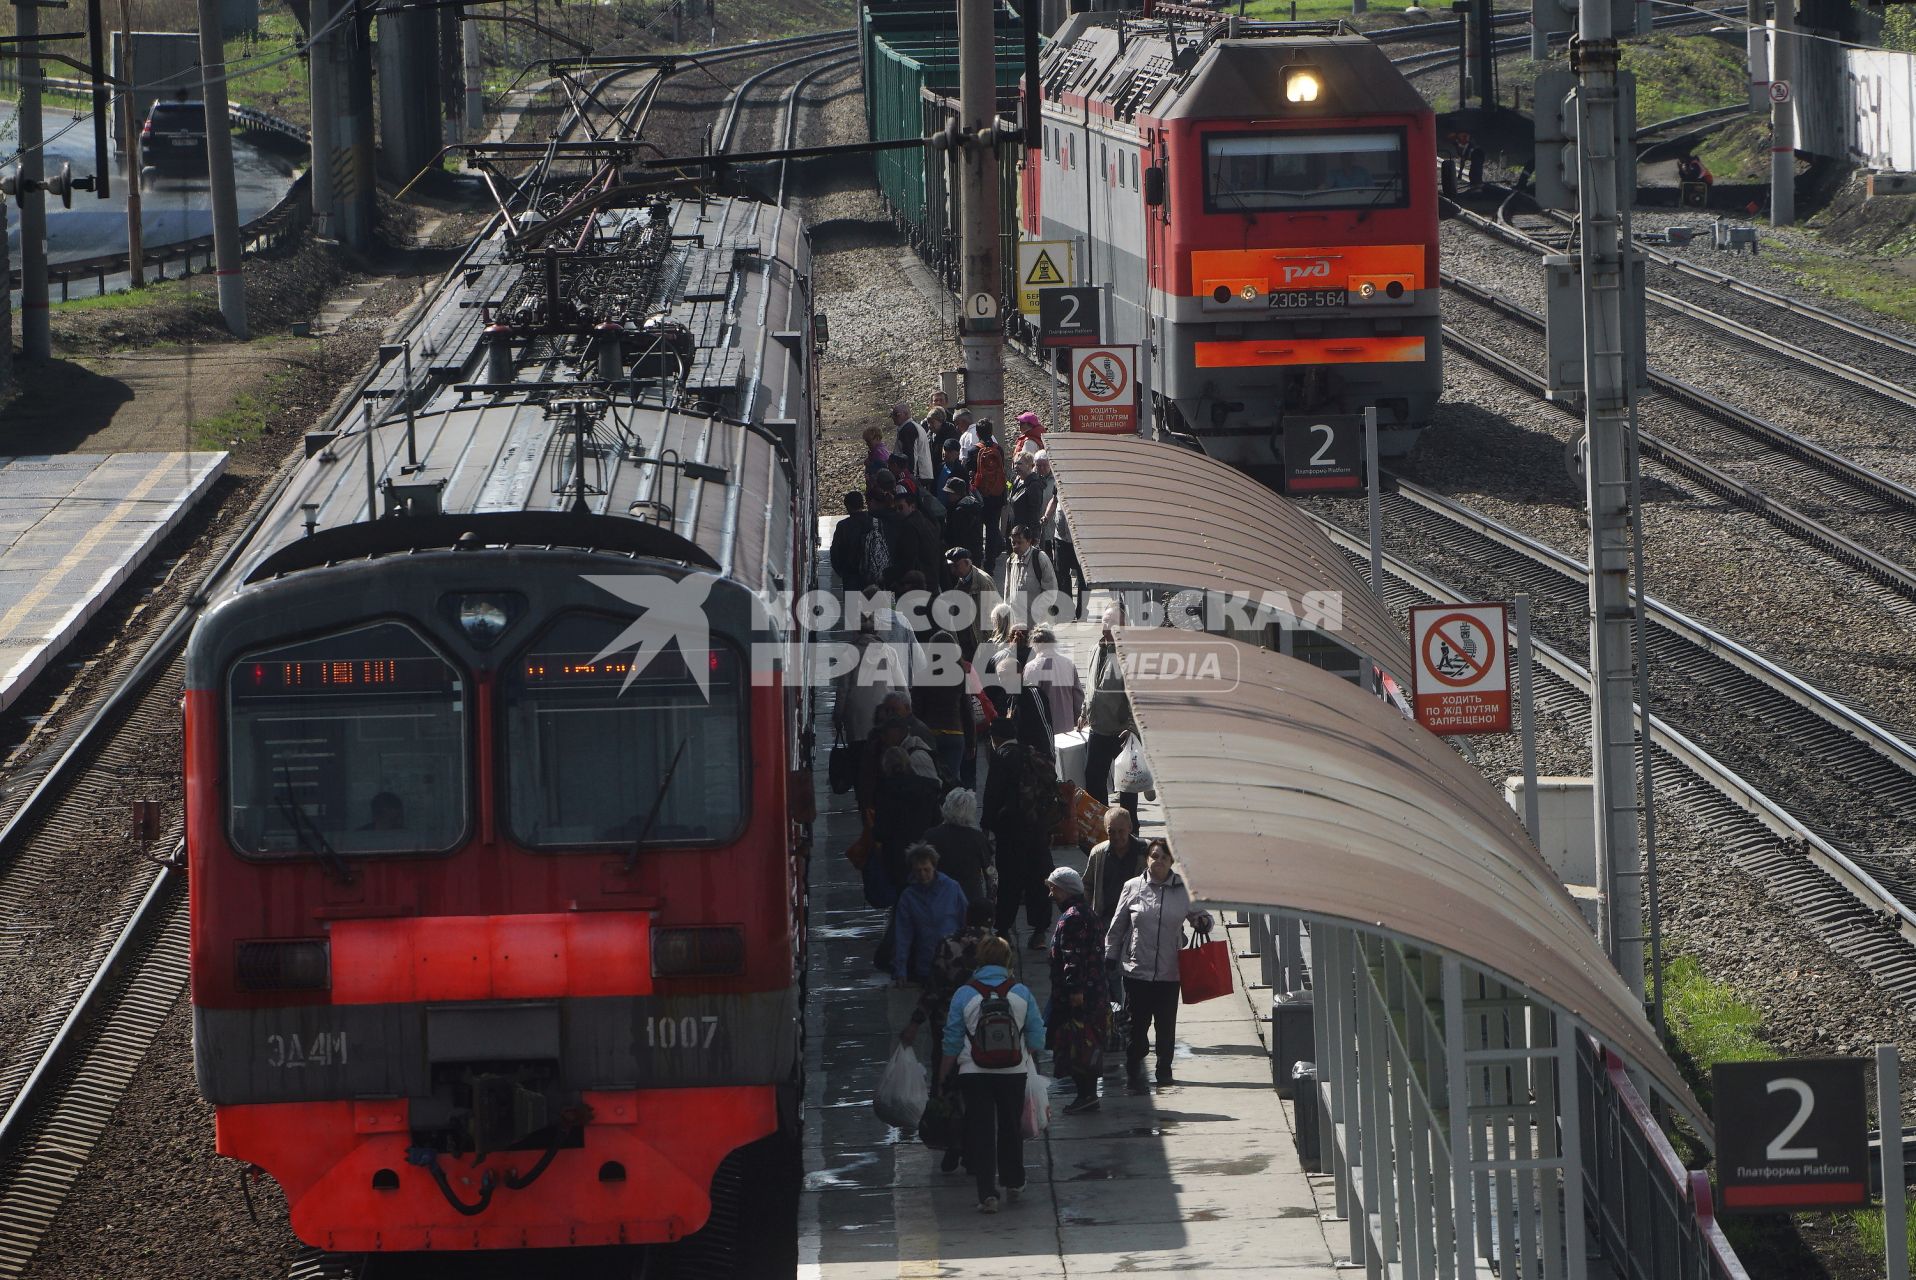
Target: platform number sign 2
(1791,1135)
(1069,317)
(1323,454)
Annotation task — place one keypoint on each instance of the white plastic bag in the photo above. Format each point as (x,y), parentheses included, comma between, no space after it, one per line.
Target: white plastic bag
(1128,771)
(902,1090)
(1037,1116)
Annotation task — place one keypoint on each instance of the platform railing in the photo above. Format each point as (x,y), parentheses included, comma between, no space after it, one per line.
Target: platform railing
(1560,1168)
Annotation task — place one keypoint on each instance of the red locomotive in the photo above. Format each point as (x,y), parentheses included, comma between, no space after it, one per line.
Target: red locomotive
(497,859)
(1264,208)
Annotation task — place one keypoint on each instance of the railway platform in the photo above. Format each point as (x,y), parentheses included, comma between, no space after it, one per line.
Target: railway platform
(1202,1174)
(73,528)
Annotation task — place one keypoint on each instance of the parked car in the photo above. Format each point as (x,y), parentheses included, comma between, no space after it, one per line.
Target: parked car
(174,136)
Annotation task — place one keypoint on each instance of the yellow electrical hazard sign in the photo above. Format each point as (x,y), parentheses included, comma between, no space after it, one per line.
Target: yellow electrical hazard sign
(1043,264)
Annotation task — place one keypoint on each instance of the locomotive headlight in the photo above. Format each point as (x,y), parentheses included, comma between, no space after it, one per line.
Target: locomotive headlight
(684,953)
(1368,289)
(1250,293)
(302,964)
(484,618)
(1301,85)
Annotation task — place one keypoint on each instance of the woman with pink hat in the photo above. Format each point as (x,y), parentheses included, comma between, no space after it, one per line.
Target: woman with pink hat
(1029,430)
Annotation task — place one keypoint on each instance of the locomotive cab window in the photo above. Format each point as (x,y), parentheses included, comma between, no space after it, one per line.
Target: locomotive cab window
(1292,171)
(596,755)
(352,743)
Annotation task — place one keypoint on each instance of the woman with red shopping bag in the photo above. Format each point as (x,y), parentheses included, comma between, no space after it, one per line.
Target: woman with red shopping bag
(1146,934)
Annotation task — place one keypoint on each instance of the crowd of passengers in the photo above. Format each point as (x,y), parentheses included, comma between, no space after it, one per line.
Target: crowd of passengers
(957,779)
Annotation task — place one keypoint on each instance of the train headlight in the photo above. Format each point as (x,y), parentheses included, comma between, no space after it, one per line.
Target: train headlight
(484,618)
(302,964)
(1301,85)
(685,953)
(1368,289)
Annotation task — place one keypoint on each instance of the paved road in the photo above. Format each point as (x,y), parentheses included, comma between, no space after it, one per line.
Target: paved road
(175,208)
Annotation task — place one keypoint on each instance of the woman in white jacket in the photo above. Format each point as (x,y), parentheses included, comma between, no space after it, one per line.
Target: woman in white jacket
(1147,929)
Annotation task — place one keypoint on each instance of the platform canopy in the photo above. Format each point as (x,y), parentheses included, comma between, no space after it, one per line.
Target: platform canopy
(1286,788)
(1144,514)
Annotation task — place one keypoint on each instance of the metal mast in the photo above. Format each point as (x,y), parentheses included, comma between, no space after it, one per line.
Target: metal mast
(1611,333)
(1783,117)
(981,336)
(36,325)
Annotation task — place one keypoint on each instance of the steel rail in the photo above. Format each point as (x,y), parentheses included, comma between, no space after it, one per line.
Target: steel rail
(1874,383)
(788,126)
(1715,407)
(1757,293)
(1867,917)
(1700,635)
(734,107)
(1838,546)
(1434,59)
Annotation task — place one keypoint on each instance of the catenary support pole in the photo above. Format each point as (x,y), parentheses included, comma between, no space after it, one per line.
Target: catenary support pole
(36,333)
(1609,335)
(1528,708)
(1374,501)
(130,130)
(1783,117)
(219,170)
(980,336)
(475,79)
(1889,1122)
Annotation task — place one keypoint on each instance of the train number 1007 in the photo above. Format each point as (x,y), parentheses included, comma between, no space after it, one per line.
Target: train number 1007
(687,1032)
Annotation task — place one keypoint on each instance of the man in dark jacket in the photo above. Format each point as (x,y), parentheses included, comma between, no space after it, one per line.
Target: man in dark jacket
(951,467)
(848,543)
(964,516)
(916,541)
(1023,839)
(944,703)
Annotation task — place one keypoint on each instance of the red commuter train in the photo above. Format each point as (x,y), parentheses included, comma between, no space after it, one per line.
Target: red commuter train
(497,854)
(1264,208)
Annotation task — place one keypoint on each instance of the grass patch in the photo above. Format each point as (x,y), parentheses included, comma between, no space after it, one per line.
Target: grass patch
(246,418)
(1872,283)
(1678,75)
(267,86)
(161,291)
(1709,1021)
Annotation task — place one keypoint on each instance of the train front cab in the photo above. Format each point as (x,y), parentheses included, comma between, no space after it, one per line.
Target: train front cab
(1297,249)
(492,934)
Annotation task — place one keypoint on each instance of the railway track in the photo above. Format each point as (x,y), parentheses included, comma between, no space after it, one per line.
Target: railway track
(1872,506)
(1870,391)
(66,1077)
(726,138)
(1857,900)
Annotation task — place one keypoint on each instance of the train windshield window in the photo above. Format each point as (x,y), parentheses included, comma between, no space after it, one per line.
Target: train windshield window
(590,744)
(1304,171)
(351,743)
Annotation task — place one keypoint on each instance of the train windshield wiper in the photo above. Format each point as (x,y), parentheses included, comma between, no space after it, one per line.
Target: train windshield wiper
(658,805)
(307,832)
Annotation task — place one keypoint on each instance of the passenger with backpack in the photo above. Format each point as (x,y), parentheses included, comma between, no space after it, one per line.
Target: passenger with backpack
(992,1036)
(991,481)
(1021,808)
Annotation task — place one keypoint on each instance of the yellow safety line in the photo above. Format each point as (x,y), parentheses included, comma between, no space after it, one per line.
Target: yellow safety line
(12,617)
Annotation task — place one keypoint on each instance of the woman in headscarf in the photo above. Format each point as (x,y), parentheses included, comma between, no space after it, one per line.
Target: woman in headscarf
(1080,1015)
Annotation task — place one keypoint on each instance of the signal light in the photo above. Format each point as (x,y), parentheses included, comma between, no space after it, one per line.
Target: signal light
(685,953)
(1301,85)
(300,964)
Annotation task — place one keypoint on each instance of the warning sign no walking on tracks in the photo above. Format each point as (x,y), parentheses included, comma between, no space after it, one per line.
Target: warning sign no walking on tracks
(1461,672)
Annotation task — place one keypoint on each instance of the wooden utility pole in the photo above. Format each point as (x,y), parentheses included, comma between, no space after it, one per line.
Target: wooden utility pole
(130,130)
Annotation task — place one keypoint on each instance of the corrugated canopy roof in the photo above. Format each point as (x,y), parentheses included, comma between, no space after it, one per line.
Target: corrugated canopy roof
(1146,514)
(1290,789)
